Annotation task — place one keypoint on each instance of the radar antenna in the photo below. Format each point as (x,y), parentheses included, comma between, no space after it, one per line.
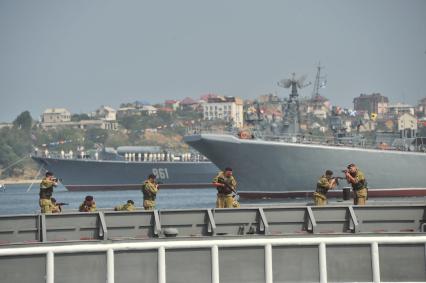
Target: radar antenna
(294,84)
(291,108)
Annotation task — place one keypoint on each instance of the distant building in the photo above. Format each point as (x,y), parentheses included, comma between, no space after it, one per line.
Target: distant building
(319,106)
(224,108)
(372,103)
(172,104)
(207,96)
(407,125)
(6,125)
(421,108)
(106,113)
(128,111)
(188,104)
(83,124)
(268,98)
(400,108)
(149,110)
(56,115)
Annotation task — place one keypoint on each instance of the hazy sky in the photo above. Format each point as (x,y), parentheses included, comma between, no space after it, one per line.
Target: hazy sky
(83,54)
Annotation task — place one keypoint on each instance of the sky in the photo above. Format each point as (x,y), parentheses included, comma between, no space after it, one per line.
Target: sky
(83,54)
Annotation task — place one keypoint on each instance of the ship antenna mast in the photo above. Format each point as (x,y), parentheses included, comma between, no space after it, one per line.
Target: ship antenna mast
(320,81)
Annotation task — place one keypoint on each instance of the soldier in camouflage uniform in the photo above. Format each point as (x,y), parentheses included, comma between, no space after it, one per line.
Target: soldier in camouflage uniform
(46,190)
(359,185)
(149,190)
(88,205)
(326,182)
(226,185)
(129,206)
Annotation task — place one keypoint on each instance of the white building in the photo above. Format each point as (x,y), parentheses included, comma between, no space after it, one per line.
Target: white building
(83,124)
(56,115)
(148,109)
(224,108)
(401,108)
(407,121)
(106,113)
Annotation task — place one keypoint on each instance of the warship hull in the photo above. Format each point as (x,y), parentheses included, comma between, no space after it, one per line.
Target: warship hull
(92,175)
(267,166)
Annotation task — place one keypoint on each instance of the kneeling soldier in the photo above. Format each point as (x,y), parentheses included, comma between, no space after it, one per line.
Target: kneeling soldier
(88,205)
(326,182)
(129,206)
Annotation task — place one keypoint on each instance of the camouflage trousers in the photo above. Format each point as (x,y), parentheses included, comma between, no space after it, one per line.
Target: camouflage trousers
(319,199)
(360,196)
(224,201)
(149,204)
(46,206)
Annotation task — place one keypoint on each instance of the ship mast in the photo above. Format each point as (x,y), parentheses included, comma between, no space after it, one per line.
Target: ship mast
(320,81)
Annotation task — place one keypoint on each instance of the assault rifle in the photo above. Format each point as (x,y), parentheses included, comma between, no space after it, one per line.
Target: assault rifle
(227,185)
(338,178)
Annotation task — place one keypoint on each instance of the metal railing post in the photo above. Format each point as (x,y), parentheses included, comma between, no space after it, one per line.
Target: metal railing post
(110,266)
(50,267)
(215,264)
(322,263)
(375,262)
(161,265)
(268,264)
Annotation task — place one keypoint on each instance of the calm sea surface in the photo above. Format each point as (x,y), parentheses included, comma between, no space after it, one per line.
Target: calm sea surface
(16,199)
(19,199)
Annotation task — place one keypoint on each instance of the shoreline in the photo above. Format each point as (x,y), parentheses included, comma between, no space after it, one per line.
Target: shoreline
(18,181)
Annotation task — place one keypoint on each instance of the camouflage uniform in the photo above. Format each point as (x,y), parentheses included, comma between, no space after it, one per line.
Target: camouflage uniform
(56,208)
(46,191)
(359,188)
(149,190)
(85,208)
(320,194)
(224,194)
(125,207)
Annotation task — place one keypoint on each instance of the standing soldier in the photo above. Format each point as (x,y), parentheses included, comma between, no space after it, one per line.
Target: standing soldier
(326,182)
(149,190)
(359,185)
(226,185)
(46,191)
(129,206)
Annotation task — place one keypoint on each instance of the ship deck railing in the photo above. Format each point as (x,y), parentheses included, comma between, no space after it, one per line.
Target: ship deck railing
(264,244)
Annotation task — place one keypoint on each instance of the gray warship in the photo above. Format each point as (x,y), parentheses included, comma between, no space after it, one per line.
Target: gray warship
(291,162)
(126,167)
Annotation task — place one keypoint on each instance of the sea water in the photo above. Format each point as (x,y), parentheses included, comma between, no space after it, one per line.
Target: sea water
(21,199)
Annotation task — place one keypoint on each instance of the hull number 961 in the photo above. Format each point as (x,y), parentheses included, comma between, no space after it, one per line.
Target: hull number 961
(160,173)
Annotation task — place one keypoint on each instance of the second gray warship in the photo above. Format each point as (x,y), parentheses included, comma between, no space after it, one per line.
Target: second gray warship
(292,163)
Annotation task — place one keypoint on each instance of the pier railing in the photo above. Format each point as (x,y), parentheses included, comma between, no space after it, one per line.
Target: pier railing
(264,244)
(278,259)
(250,221)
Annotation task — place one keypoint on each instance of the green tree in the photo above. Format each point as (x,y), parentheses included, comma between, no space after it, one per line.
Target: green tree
(79,117)
(24,121)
